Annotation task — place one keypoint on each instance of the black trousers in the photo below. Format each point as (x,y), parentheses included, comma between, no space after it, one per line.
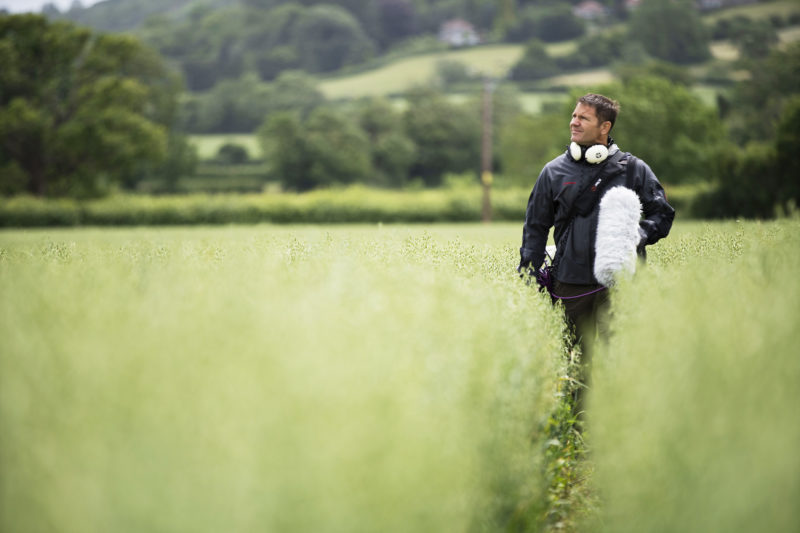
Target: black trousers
(587,314)
(586,310)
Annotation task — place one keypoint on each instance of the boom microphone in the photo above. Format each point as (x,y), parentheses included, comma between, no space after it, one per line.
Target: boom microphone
(617,235)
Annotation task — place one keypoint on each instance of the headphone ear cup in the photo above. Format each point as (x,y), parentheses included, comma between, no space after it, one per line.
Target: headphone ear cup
(575,151)
(596,154)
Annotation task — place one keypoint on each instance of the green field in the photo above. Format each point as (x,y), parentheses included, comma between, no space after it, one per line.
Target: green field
(401,75)
(269,379)
(757,10)
(692,414)
(388,378)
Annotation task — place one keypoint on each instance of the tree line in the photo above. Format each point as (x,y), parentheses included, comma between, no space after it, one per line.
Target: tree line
(82,113)
(80,110)
(216,41)
(100,109)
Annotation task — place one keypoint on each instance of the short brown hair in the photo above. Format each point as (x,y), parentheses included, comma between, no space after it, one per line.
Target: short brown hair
(605,108)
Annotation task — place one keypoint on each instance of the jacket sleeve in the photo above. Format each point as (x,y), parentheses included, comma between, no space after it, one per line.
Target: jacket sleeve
(539,217)
(657,213)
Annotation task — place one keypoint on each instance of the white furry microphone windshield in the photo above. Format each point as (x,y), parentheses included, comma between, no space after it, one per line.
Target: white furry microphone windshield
(617,235)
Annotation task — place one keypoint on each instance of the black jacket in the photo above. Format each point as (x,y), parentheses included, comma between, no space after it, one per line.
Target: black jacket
(550,205)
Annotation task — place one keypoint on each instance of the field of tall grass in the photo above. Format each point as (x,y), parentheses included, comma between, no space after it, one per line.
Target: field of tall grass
(390,378)
(271,379)
(693,423)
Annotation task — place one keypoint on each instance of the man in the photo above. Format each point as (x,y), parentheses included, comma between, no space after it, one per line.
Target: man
(566,196)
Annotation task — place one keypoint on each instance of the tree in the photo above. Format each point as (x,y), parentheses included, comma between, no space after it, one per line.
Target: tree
(667,126)
(759,173)
(447,136)
(534,64)
(747,181)
(675,73)
(550,23)
(450,72)
(284,146)
(180,161)
(337,147)
(786,142)
(595,51)
(78,111)
(208,44)
(326,149)
(294,90)
(232,106)
(267,38)
(671,30)
(558,23)
(240,106)
(275,60)
(528,142)
(328,38)
(50,10)
(758,103)
(754,39)
(232,154)
(396,19)
(760,180)
(391,151)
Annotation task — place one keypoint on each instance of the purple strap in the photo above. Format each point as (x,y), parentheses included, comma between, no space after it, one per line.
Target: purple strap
(577,296)
(545,279)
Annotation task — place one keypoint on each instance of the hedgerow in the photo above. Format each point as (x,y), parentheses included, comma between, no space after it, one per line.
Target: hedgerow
(352,205)
(355,204)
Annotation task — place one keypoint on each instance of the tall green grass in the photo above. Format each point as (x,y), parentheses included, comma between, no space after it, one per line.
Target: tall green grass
(390,378)
(272,379)
(693,415)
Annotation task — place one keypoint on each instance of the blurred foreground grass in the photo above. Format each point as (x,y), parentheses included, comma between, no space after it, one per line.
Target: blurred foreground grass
(390,378)
(271,379)
(693,414)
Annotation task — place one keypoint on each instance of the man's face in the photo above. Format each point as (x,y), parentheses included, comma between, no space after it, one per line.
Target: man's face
(585,128)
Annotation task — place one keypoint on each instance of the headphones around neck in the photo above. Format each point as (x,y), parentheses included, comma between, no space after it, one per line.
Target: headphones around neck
(594,154)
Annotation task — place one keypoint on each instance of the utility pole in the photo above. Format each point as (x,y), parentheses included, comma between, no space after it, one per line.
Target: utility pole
(486,150)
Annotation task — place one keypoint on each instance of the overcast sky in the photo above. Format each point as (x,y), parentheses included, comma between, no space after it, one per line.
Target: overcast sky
(18,6)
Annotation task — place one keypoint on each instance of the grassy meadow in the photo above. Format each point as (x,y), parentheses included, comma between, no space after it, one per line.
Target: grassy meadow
(401,75)
(693,411)
(270,379)
(389,378)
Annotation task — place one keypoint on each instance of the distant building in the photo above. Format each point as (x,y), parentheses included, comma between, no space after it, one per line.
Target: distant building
(590,10)
(458,32)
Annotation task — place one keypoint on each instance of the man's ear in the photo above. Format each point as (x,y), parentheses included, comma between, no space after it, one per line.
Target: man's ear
(605,127)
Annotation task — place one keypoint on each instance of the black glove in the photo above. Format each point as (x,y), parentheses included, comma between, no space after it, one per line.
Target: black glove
(525,260)
(640,251)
